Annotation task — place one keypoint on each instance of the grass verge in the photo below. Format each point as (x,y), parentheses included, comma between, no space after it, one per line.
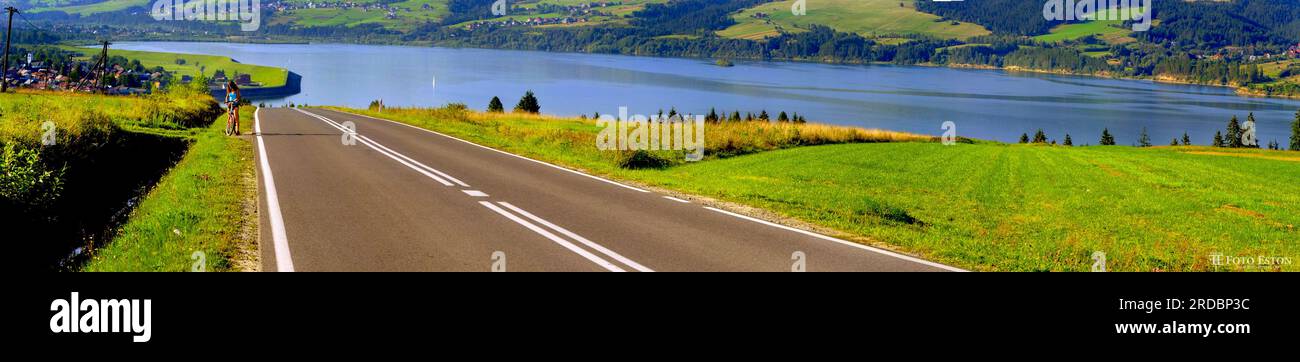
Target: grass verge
(204,204)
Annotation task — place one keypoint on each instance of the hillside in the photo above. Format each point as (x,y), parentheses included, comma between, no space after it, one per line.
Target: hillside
(869,18)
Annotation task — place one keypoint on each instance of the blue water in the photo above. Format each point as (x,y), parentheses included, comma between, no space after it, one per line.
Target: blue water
(986,104)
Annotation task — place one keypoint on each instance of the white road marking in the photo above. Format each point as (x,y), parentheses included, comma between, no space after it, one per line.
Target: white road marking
(475,193)
(372,146)
(597,178)
(630,263)
(844,242)
(567,245)
(417,163)
(579,238)
(283,261)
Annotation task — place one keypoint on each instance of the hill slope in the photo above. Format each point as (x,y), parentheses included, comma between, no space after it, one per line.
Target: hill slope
(864,17)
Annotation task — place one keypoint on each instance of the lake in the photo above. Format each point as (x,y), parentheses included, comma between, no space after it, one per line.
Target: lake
(985,104)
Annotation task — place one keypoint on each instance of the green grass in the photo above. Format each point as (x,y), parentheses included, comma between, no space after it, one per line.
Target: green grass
(1109,31)
(865,17)
(203,205)
(194,63)
(96,8)
(982,206)
(405,21)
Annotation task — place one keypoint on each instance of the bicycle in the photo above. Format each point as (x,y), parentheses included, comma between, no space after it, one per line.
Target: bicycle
(232,119)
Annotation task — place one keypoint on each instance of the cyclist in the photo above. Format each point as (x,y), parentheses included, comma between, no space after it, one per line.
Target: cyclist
(232,105)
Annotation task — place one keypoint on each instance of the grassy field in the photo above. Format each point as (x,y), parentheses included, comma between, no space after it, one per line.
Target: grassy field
(412,15)
(866,17)
(204,204)
(982,206)
(1106,30)
(91,9)
(194,63)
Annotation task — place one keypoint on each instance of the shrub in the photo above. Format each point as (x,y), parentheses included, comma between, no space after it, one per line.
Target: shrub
(25,180)
(642,159)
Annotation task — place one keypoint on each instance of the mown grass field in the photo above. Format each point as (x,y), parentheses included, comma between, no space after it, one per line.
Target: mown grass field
(982,206)
(96,8)
(1108,31)
(194,64)
(869,18)
(412,15)
(204,204)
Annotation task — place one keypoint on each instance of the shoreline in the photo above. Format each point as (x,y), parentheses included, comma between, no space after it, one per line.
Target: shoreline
(292,86)
(1242,91)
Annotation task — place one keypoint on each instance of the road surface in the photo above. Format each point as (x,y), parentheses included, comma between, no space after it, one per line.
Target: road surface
(405,199)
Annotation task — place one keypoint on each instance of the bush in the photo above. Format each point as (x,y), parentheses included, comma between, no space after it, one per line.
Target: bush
(642,159)
(25,180)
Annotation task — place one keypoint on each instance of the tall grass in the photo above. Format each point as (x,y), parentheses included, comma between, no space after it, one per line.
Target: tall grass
(60,188)
(578,135)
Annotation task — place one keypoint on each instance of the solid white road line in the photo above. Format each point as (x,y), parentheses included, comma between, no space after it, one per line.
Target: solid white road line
(283,262)
(597,178)
(475,193)
(579,238)
(567,245)
(844,242)
(377,149)
(677,199)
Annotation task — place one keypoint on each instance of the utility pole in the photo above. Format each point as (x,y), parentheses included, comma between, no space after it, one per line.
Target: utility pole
(95,73)
(4,79)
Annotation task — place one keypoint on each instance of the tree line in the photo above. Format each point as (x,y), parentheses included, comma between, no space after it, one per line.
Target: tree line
(1233,136)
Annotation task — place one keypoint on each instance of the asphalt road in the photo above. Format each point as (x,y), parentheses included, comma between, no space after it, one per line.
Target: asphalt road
(406,199)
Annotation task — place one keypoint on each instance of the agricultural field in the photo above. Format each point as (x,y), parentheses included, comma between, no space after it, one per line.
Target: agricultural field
(615,12)
(1109,31)
(869,18)
(980,205)
(409,14)
(89,9)
(193,64)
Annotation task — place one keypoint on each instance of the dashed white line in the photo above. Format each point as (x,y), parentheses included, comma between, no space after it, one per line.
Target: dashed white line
(567,245)
(417,163)
(844,242)
(283,261)
(475,193)
(677,199)
(597,178)
(579,238)
(372,146)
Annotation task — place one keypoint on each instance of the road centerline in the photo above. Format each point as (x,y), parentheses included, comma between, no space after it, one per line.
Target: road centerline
(558,240)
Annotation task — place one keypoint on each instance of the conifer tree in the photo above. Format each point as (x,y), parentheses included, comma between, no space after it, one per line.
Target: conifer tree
(495,106)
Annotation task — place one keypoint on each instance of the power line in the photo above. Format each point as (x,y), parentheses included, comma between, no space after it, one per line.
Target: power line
(29,23)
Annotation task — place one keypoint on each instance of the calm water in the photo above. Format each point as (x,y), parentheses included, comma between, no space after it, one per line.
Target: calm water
(985,104)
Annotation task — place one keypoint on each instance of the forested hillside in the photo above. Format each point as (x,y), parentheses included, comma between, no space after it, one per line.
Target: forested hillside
(1251,44)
